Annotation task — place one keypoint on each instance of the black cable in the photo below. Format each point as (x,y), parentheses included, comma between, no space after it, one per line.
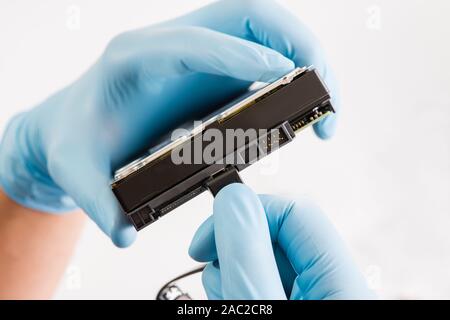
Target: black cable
(184,275)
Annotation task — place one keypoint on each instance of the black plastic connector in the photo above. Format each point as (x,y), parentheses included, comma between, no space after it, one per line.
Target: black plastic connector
(228,176)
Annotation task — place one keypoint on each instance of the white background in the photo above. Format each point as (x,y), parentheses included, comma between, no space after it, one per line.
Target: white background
(384,179)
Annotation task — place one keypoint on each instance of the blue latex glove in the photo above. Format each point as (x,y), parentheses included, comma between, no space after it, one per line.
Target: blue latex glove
(266,247)
(61,154)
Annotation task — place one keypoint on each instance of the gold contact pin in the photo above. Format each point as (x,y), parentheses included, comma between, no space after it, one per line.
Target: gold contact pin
(297,126)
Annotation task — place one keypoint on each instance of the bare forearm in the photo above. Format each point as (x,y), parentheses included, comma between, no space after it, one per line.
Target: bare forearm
(34,249)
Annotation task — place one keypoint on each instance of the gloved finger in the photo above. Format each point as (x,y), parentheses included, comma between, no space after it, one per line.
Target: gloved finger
(243,241)
(212,281)
(203,244)
(203,249)
(287,273)
(270,24)
(86,179)
(195,49)
(315,250)
(311,244)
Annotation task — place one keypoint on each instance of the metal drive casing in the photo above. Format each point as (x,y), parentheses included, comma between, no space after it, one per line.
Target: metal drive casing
(154,185)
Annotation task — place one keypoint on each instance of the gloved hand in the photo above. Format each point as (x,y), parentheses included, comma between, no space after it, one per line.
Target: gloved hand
(266,247)
(62,153)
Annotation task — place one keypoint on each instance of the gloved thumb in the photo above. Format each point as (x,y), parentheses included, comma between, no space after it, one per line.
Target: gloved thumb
(247,265)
